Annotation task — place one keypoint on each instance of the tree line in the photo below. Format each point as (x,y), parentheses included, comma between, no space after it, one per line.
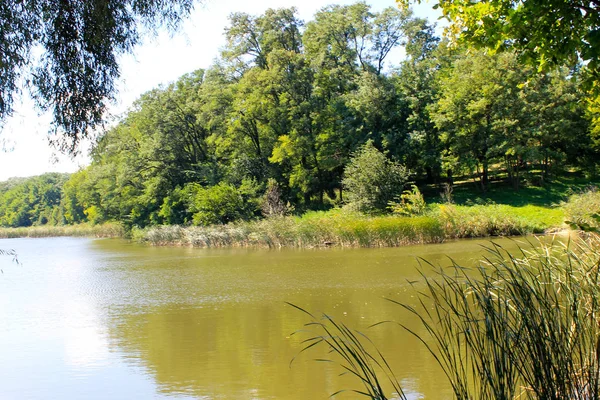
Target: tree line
(292,110)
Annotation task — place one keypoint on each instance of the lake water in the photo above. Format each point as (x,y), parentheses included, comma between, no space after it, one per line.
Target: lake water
(110,319)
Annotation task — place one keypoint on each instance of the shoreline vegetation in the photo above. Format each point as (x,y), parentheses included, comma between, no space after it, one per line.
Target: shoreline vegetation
(105,230)
(530,211)
(341,228)
(338,227)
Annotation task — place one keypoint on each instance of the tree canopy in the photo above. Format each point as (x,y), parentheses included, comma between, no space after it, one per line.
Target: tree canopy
(74,77)
(547,32)
(297,116)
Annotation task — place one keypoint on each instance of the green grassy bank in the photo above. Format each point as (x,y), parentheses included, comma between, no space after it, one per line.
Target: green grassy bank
(527,212)
(111,229)
(347,229)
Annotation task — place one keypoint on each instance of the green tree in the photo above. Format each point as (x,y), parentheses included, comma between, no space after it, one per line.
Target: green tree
(32,201)
(417,81)
(547,32)
(478,109)
(372,180)
(492,108)
(81,42)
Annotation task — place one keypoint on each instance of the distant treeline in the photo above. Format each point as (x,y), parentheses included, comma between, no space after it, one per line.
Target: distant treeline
(273,125)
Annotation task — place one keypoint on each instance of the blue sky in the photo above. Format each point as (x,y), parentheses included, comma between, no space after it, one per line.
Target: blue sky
(158,60)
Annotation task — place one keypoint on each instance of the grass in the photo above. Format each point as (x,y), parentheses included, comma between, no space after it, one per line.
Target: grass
(336,227)
(549,195)
(521,325)
(501,212)
(112,229)
(344,228)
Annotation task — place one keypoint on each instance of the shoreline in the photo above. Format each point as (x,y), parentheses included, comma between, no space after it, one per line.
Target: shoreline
(334,228)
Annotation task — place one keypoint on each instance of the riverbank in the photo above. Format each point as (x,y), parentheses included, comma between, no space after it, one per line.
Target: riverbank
(347,229)
(336,227)
(106,230)
(343,228)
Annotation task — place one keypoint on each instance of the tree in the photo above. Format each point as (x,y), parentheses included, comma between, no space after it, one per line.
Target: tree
(416,80)
(372,180)
(32,201)
(493,109)
(478,108)
(81,41)
(547,32)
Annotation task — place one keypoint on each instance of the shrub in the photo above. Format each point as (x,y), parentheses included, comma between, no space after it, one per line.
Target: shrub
(217,204)
(223,203)
(272,204)
(411,203)
(372,180)
(582,211)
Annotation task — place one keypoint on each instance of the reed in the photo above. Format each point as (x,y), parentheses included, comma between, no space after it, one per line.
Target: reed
(523,325)
(497,220)
(311,230)
(345,228)
(582,210)
(109,229)
(356,355)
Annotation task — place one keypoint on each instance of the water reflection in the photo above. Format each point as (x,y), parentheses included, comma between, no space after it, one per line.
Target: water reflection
(109,318)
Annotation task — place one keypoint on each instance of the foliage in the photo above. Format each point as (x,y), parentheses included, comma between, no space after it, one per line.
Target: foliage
(222,203)
(272,204)
(411,203)
(81,42)
(492,109)
(582,210)
(372,180)
(289,107)
(32,201)
(518,325)
(548,33)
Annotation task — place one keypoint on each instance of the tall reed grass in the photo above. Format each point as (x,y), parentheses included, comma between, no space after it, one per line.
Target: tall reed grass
(349,229)
(109,229)
(311,230)
(358,355)
(523,325)
(582,210)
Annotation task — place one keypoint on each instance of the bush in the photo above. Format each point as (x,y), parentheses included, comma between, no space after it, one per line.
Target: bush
(272,204)
(411,203)
(582,211)
(372,180)
(223,203)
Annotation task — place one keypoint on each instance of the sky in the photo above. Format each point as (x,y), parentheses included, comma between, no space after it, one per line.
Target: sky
(24,148)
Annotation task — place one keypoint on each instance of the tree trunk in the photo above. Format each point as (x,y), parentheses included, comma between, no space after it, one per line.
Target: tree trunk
(449,177)
(429,172)
(485,180)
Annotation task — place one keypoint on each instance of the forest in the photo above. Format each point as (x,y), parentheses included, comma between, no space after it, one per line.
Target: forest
(296,116)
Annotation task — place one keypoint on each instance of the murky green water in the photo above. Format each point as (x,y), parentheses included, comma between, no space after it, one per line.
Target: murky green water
(106,319)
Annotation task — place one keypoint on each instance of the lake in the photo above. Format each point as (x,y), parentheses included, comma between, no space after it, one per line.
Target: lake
(98,319)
